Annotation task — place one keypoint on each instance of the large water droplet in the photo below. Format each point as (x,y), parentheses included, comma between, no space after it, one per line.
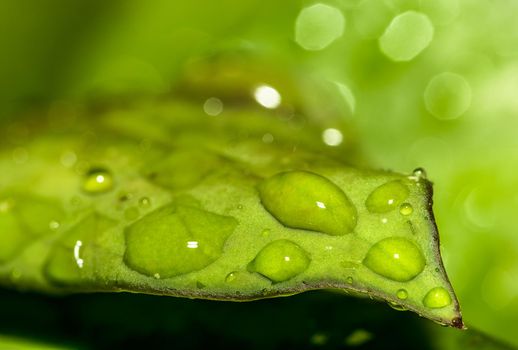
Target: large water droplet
(175,240)
(98,180)
(406,36)
(305,200)
(67,257)
(395,258)
(280,260)
(447,96)
(437,298)
(317,26)
(387,197)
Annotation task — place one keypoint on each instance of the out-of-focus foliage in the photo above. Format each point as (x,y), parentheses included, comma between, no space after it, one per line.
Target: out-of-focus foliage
(464,137)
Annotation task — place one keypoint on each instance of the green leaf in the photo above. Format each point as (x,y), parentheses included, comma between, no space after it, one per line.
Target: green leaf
(158,197)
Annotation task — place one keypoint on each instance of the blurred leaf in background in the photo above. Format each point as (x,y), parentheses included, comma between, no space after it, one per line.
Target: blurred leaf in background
(426,83)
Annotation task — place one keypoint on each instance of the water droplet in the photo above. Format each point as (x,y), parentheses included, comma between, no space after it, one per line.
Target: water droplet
(131,213)
(447,96)
(230,277)
(268,138)
(68,159)
(213,106)
(144,202)
(437,298)
(318,25)
(387,197)
(402,294)
(305,200)
(176,240)
(267,96)
(349,280)
(54,225)
(240,206)
(396,306)
(418,174)
(98,180)
(406,209)
(266,232)
(332,137)
(395,258)
(406,36)
(280,260)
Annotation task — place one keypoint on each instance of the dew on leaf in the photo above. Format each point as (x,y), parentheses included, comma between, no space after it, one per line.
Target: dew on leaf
(406,209)
(144,202)
(176,240)
(437,298)
(402,294)
(98,180)
(280,260)
(406,36)
(395,258)
(387,197)
(305,200)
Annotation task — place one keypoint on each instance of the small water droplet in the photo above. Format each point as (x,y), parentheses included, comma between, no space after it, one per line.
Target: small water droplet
(406,36)
(349,280)
(406,209)
(240,206)
(387,197)
(266,232)
(437,298)
(230,277)
(15,275)
(213,106)
(267,138)
(305,200)
(98,180)
(68,159)
(131,213)
(402,294)
(437,269)
(419,174)
(144,202)
(395,258)
(54,225)
(280,260)
(396,306)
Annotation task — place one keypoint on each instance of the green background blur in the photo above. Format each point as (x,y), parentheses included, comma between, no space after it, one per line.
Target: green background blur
(57,52)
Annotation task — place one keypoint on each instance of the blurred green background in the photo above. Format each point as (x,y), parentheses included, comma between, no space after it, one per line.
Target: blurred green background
(430,83)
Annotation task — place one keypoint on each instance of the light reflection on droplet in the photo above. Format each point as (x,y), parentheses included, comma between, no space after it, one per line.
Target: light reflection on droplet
(267,96)
(213,106)
(318,25)
(192,244)
(332,137)
(321,205)
(79,261)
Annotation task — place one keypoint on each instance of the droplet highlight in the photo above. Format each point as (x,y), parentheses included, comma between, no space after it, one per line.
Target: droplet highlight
(395,258)
(437,298)
(305,200)
(280,261)
(387,197)
(406,36)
